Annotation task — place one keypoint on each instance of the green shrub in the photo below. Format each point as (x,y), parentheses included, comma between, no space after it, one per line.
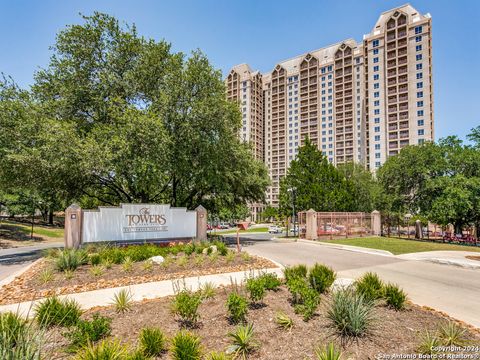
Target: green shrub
(53,311)
(68,274)
(350,312)
(70,259)
(46,275)
(207,290)
(283,320)
(321,277)
(152,341)
(221,247)
(328,353)
(428,344)
(87,331)
(97,270)
(270,281)
(12,329)
(309,300)
(293,272)
(19,340)
(370,286)
(182,261)
(104,350)
(230,257)
(189,249)
(246,256)
(185,346)
(94,259)
(122,300)
(237,307)
(243,341)
(185,305)
(394,296)
(255,288)
(214,355)
(451,334)
(127,264)
(147,265)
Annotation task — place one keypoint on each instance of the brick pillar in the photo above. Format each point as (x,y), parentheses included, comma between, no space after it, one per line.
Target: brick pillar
(201,223)
(376,223)
(311,233)
(73,227)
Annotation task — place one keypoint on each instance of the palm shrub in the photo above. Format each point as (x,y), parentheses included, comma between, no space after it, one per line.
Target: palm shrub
(370,286)
(207,290)
(70,259)
(270,281)
(53,311)
(104,350)
(297,271)
(19,339)
(185,305)
(214,355)
(97,270)
(46,275)
(350,312)
(451,334)
(122,300)
(394,296)
(255,288)
(87,331)
(243,341)
(321,277)
(328,353)
(429,344)
(185,346)
(237,307)
(152,341)
(283,320)
(127,264)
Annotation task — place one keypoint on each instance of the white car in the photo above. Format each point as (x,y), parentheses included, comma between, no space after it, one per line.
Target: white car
(274,229)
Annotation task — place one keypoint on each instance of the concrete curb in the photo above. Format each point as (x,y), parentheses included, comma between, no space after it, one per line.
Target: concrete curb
(350,248)
(12,277)
(139,292)
(458,263)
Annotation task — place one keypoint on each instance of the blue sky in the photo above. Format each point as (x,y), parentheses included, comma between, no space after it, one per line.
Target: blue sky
(261,33)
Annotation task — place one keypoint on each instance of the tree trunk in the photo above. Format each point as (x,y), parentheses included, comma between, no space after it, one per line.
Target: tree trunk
(50,217)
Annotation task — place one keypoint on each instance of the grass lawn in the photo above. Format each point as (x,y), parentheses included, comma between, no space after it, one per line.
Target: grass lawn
(234,231)
(37,230)
(400,246)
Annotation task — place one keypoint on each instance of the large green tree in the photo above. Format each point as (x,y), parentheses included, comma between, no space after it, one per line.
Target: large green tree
(317,183)
(116,117)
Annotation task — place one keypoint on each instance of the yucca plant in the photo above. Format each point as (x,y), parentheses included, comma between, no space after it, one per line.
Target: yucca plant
(321,277)
(214,355)
(451,334)
(53,311)
(68,274)
(394,296)
(122,300)
(246,256)
(147,265)
(199,259)
(70,259)
(46,275)
(243,341)
(213,257)
(283,320)
(182,261)
(237,307)
(97,270)
(230,256)
(185,305)
(19,339)
(185,346)
(152,341)
(350,313)
(429,343)
(328,353)
(104,350)
(370,286)
(127,264)
(12,328)
(207,290)
(107,263)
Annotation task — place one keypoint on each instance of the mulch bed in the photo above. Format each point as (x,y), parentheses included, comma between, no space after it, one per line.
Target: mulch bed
(394,332)
(28,286)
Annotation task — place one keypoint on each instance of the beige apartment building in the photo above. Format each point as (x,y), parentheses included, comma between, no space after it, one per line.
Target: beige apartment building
(358,102)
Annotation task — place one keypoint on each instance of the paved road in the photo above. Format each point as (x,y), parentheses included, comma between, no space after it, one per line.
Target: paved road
(451,289)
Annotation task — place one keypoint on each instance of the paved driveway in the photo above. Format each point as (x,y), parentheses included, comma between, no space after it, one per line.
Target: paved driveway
(451,289)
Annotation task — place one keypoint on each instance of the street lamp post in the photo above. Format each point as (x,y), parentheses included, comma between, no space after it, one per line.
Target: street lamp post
(293,191)
(407,219)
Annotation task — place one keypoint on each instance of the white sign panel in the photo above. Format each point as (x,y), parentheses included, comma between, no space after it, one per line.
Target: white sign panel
(138,222)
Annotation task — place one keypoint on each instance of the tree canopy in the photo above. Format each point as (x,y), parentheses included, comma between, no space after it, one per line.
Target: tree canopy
(116,117)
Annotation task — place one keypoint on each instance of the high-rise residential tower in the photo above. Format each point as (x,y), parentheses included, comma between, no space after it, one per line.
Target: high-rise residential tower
(358,102)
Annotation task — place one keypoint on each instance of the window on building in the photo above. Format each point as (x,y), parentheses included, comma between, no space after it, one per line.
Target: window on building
(376,94)
(376,77)
(375,51)
(419,85)
(377,137)
(419,66)
(419,103)
(421,132)
(376,85)
(375,60)
(419,112)
(419,75)
(421,141)
(375,43)
(377,146)
(418,38)
(377,155)
(418,57)
(421,122)
(420,94)
(377,164)
(376,103)
(418,48)
(377,120)
(418,29)
(376,68)
(376,111)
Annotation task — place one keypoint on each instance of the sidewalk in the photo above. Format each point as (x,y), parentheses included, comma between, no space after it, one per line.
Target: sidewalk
(456,258)
(151,290)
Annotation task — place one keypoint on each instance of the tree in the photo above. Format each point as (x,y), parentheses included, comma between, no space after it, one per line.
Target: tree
(119,118)
(319,185)
(270,212)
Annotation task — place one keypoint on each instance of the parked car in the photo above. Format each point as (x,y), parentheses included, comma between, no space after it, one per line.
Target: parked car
(223,226)
(274,229)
